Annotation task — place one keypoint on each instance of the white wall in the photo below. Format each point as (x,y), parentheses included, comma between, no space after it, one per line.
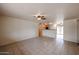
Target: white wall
(12,30)
(70,30)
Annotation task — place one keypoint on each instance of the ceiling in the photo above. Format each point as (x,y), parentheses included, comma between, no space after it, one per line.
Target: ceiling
(54,12)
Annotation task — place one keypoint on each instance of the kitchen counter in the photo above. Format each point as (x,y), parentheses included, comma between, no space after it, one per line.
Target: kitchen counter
(50,33)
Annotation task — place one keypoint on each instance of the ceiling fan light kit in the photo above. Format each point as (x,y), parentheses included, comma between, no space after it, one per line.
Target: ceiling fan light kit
(40,17)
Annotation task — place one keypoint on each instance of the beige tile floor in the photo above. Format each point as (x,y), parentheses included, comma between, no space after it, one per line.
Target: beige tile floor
(42,46)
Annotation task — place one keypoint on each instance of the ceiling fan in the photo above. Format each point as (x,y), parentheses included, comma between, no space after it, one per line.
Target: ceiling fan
(40,17)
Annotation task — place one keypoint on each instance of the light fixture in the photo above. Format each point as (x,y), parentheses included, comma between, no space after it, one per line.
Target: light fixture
(40,17)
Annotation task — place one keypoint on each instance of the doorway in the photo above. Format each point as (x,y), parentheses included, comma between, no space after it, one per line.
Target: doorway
(60,33)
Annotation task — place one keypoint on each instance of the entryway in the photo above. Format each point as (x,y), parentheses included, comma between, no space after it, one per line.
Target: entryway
(60,33)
